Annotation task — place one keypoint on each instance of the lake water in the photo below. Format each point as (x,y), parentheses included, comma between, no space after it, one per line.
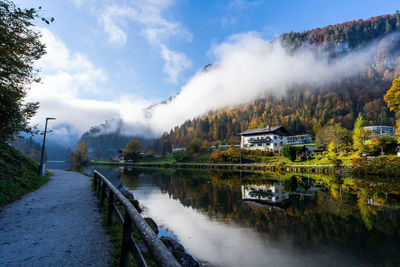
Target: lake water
(249,219)
(58,165)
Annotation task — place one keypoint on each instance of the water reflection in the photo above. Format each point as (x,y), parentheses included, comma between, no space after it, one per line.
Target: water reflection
(315,220)
(268,194)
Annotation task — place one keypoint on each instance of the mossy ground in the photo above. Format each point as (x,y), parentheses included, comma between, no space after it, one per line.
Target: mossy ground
(18,175)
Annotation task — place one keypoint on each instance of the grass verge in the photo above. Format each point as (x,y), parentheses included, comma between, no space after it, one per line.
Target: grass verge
(18,175)
(115,232)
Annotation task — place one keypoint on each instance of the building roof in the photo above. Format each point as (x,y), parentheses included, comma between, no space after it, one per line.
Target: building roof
(268,129)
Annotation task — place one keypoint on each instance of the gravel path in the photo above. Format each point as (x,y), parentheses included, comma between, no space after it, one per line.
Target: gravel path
(57,225)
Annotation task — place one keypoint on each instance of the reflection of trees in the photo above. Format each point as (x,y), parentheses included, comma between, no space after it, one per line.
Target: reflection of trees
(367,212)
(130,178)
(290,184)
(339,217)
(342,206)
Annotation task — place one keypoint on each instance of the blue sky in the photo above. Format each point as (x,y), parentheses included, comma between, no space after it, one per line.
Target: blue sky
(107,56)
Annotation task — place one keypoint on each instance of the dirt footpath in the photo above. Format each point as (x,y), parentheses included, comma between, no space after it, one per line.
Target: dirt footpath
(57,225)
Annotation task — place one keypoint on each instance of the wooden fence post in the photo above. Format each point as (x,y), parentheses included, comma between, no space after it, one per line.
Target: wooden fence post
(103,194)
(126,235)
(101,183)
(95,181)
(110,207)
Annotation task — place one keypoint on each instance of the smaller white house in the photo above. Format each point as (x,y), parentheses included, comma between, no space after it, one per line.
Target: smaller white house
(270,138)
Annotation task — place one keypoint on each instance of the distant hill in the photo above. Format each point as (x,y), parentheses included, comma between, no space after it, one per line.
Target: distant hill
(103,141)
(305,109)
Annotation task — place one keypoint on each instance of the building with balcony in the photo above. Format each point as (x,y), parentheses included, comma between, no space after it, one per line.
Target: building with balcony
(271,138)
(380,130)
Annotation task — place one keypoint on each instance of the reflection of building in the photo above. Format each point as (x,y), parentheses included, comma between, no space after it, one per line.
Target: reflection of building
(271,138)
(376,131)
(269,194)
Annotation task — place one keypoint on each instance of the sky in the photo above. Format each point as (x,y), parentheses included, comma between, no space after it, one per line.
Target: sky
(111,58)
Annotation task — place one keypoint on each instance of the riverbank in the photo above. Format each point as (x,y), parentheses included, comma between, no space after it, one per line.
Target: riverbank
(18,175)
(227,166)
(360,167)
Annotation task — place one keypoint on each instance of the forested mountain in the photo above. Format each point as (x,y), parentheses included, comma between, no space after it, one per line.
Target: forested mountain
(351,34)
(305,109)
(104,140)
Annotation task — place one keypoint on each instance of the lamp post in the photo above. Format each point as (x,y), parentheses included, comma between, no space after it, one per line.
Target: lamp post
(41,173)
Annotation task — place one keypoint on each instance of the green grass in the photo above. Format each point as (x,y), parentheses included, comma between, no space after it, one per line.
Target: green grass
(157,160)
(18,175)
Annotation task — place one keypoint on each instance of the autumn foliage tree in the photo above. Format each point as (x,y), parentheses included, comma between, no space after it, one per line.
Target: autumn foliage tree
(392,98)
(79,156)
(132,150)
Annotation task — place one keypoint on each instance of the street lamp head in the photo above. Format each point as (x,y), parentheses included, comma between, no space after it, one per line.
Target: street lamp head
(50,118)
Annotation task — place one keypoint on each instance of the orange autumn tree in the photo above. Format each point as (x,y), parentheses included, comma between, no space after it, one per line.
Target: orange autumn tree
(392,99)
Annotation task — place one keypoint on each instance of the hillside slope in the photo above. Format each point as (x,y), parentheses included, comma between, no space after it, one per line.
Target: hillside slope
(18,174)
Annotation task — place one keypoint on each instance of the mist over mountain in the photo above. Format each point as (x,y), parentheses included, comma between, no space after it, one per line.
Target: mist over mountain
(300,80)
(104,140)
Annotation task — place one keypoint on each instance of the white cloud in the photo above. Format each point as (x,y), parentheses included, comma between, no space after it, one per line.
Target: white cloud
(247,67)
(228,21)
(175,63)
(66,79)
(148,20)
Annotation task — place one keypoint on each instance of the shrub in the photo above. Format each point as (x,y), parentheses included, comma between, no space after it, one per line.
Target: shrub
(289,152)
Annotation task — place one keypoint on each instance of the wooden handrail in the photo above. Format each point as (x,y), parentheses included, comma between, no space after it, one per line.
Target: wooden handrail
(161,255)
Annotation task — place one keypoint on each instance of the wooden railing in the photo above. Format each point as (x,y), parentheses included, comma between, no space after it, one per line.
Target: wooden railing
(161,255)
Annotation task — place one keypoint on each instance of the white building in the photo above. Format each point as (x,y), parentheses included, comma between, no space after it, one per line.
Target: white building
(271,138)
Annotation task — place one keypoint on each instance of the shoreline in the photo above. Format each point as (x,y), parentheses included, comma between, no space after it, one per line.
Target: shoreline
(232,166)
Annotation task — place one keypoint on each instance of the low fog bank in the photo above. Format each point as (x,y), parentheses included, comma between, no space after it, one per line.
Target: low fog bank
(248,67)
